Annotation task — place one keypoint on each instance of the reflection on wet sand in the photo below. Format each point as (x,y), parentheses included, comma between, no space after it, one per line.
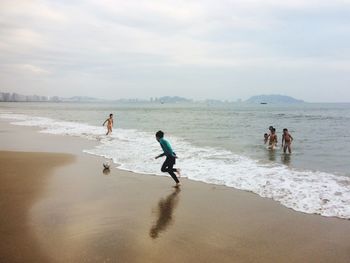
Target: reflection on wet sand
(285,158)
(165,213)
(106,171)
(271,155)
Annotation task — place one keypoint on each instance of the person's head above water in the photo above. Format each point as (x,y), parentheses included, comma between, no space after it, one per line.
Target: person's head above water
(285,130)
(159,135)
(271,128)
(111,115)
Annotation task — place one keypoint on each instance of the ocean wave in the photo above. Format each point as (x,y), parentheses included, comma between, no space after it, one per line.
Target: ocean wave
(305,191)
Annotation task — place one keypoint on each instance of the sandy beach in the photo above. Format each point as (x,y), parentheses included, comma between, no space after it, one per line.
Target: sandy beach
(58,205)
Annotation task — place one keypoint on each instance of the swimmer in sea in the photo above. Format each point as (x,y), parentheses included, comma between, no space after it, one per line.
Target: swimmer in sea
(109,124)
(286,141)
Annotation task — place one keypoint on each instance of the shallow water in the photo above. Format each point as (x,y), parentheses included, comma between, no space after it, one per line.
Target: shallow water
(219,144)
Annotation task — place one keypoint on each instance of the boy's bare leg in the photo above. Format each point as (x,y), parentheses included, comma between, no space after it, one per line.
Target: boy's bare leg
(178,171)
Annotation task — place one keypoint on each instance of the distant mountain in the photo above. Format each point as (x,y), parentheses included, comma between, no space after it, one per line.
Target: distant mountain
(273,99)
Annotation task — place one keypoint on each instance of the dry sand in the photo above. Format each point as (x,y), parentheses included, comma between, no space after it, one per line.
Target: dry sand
(59,210)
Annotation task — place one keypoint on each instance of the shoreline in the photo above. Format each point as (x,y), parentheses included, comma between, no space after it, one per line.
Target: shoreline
(82,214)
(309,191)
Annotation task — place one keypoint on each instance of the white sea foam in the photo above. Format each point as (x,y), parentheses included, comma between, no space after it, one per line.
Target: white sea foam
(306,191)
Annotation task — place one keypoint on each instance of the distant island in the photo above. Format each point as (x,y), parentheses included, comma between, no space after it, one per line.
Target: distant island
(273,99)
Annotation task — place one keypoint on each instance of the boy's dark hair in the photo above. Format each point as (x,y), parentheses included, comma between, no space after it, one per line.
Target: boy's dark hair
(285,129)
(160,134)
(273,129)
(265,134)
(110,115)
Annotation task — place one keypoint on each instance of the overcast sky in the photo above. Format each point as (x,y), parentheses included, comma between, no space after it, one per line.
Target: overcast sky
(197,49)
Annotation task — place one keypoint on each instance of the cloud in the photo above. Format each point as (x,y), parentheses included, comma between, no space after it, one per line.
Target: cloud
(112,41)
(32,69)
(34,10)
(289,4)
(23,38)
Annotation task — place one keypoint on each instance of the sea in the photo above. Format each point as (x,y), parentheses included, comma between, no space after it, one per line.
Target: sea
(220,144)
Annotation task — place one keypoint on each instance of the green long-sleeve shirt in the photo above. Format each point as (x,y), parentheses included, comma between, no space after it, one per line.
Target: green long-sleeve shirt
(168,151)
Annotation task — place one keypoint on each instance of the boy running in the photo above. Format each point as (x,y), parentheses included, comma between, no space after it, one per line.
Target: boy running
(170,157)
(109,124)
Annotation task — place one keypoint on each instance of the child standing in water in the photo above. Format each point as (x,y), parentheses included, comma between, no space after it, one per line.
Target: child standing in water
(286,141)
(170,157)
(266,137)
(109,124)
(272,139)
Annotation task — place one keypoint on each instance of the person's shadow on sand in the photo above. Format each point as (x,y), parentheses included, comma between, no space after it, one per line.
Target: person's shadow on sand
(165,213)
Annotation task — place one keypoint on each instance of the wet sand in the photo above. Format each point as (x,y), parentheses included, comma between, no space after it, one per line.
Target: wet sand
(76,212)
(23,179)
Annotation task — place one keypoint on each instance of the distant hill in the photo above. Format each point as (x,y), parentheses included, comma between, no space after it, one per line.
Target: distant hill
(273,99)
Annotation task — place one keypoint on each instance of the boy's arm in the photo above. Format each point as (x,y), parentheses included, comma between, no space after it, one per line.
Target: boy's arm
(291,137)
(282,139)
(160,155)
(104,122)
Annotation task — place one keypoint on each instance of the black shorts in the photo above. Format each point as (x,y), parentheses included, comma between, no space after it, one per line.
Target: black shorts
(170,161)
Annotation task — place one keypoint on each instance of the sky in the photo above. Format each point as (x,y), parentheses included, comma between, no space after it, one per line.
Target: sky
(197,49)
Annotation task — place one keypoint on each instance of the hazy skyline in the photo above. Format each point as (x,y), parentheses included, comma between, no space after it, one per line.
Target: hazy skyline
(195,49)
